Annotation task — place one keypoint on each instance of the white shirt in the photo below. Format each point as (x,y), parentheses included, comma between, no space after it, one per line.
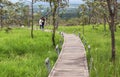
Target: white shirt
(40,22)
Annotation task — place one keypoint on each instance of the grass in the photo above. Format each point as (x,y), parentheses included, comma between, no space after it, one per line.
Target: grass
(100,43)
(22,56)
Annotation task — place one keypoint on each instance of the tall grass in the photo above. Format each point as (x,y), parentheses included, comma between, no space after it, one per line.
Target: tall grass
(100,42)
(22,56)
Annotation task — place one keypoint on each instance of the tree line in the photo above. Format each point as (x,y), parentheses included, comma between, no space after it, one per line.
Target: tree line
(105,12)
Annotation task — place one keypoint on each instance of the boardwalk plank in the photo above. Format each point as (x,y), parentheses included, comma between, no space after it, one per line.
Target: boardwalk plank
(72,59)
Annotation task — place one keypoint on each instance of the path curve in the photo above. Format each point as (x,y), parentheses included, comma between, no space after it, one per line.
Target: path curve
(72,60)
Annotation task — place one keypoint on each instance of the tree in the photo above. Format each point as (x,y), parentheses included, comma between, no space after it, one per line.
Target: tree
(110,8)
(2,3)
(112,13)
(32,21)
(54,10)
(8,15)
(1,14)
(22,13)
(32,2)
(55,5)
(83,13)
(104,13)
(89,4)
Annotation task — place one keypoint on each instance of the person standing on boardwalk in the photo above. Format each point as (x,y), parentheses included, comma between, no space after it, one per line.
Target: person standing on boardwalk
(42,23)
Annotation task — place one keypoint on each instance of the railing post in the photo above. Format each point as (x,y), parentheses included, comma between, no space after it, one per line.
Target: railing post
(62,34)
(47,63)
(85,42)
(60,42)
(89,51)
(90,58)
(79,34)
(82,37)
(57,49)
(90,64)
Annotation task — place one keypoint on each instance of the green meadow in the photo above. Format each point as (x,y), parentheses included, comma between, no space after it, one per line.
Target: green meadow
(22,56)
(100,64)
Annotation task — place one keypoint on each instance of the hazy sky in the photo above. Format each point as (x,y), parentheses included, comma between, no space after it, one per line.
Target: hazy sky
(76,1)
(71,1)
(18,0)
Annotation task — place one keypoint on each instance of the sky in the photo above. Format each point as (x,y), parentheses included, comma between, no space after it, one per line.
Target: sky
(17,0)
(71,1)
(76,1)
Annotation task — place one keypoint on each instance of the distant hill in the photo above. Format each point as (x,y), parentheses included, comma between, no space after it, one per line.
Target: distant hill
(70,11)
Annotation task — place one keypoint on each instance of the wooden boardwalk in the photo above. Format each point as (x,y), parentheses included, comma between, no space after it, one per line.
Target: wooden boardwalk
(72,59)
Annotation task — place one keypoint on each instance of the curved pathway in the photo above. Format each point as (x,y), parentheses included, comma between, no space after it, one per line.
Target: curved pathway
(72,59)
